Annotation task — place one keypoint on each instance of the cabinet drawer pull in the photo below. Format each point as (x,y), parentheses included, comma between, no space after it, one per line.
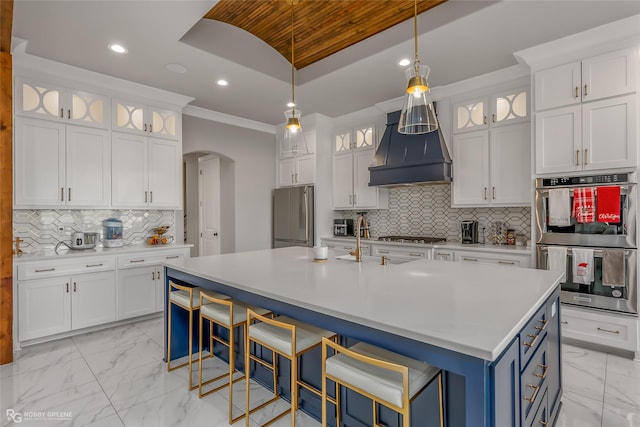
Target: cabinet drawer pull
(137,260)
(150,196)
(493,190)
(153,275)
(543,423)
(45,270)
(586,156)
(493,118)
(607,330)
(577,92)
(296,179)
(348,247)
(507,262)
(545,368)
(151,128)
(544,325)
(564,322)
(172,257)
(533,342)
(145,197)
(69,195)
(414,254)
(67,288)
(535,392)
(94,265)
(484,120)
(383,252)
(145,127)
(69,114)
(485,193)
(74,287)
(470,259)
(61,194)
(585,90)
(442,253)
(577,157)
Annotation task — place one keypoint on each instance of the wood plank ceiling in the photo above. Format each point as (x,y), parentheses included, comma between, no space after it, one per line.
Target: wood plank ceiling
(321,27)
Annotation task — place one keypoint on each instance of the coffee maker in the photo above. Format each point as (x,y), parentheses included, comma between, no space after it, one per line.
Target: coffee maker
(469,231)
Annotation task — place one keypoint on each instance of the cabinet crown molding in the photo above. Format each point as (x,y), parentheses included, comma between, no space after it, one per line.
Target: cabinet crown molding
(616,35)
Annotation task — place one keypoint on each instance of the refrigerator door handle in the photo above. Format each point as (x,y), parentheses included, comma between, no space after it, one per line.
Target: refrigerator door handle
(306,214)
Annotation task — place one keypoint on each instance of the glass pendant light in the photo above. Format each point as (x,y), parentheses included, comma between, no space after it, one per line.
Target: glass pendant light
(418,115)
(293,142)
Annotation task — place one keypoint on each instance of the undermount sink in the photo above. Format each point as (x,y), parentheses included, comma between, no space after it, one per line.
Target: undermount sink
(372,259)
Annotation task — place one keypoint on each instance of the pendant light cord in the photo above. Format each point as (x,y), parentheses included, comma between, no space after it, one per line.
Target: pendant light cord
(415,33)
(293,96)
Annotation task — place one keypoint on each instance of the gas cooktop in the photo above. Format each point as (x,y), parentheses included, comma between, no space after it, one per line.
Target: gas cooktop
(411,239)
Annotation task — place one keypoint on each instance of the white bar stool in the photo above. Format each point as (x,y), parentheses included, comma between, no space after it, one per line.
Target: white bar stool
(387,378)
(187,298)
(288,338)
(229,314)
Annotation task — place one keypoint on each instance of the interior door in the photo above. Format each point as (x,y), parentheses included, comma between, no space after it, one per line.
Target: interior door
(209,185)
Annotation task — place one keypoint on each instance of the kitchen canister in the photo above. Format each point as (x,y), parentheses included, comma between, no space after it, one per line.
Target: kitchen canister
(112,233)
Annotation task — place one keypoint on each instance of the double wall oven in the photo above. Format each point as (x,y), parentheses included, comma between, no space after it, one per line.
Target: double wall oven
(571,229)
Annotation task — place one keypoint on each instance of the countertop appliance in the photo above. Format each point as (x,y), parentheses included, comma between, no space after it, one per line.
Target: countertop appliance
(83,240)
(594,231)
(411,239)
(469,229)
(343,227)
(293,217)
(112,233)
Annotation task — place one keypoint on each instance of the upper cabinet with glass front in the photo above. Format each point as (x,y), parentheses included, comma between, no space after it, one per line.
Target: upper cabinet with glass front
(501,108)
(354,139)
(143,119)
(52,102)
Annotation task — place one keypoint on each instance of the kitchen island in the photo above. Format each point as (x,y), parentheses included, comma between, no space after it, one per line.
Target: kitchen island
(495,331)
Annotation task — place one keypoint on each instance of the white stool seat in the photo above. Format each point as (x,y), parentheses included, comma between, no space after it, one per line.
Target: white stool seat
(220,313)
(380,382)
(280,339)
(182,297)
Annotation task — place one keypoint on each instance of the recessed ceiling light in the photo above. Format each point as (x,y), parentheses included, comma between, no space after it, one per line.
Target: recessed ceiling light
(118,48)
(404,62)
(176,68)
(222,82)
(291,104)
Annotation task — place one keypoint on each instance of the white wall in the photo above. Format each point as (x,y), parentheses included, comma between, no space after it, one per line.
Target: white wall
(191,206)
(253,156)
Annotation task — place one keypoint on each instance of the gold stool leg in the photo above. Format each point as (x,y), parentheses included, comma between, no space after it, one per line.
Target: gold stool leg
(247,374)
(200,324)
(190,353)
(169,338)
(294,389)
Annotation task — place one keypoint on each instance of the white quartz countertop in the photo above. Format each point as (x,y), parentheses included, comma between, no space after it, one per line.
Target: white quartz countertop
(508,249)
(65,252)
(474,309)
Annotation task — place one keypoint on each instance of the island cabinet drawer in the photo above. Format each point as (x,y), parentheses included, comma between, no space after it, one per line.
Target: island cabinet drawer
(605,329)
(533,383)
(405,253)
(542,414)
(149,258)
(55,268)
(343,248)
(532,334)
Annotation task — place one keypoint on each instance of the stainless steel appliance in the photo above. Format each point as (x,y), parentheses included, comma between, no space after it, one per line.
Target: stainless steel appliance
(469,229)
(293,217)
(343,227)
(84,240)
(411,239)
(599,236)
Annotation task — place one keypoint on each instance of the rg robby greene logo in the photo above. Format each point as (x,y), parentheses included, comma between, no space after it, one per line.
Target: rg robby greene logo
(18,417)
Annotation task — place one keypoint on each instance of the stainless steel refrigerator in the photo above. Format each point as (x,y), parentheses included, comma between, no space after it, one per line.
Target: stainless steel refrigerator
(293,216)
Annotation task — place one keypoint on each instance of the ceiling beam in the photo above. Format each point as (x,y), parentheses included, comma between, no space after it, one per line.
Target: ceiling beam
(6,24)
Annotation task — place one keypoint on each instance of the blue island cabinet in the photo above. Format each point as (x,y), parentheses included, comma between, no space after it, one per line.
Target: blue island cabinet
(520,388)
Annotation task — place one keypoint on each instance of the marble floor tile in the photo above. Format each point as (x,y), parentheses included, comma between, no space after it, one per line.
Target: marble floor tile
(177,408)
(43,382)
(121,358)
(107,339)
(77,406)
(40,356)
(112,421)
(579,411)
(583,371)
(153,328)
(622,391)
(138,385)
(620,417)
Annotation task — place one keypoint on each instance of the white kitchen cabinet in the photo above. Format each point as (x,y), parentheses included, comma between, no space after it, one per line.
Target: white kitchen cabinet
(443,254)
(607,329)
(400,253)
(61,165)
(342,247)
(502,259)
(297,170)
(136,291)
(503,107)
(595,135)
(146,172)
(492,168)
(142,119)
(68,105)
(354,150)
(603,76)
(60,304)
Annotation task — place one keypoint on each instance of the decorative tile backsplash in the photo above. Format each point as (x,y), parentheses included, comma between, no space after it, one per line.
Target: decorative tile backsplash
(43,229)
(427,211)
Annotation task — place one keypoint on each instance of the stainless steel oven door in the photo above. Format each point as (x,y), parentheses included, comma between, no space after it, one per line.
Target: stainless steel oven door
(597,234)
(623,299)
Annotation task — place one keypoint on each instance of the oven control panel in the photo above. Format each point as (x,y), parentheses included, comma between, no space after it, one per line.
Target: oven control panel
(618,178)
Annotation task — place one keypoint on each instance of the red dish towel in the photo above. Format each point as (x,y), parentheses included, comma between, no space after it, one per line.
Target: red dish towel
(583,204)
(608,204)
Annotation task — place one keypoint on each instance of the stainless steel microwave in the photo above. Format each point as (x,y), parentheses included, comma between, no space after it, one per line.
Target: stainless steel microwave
(343,227)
